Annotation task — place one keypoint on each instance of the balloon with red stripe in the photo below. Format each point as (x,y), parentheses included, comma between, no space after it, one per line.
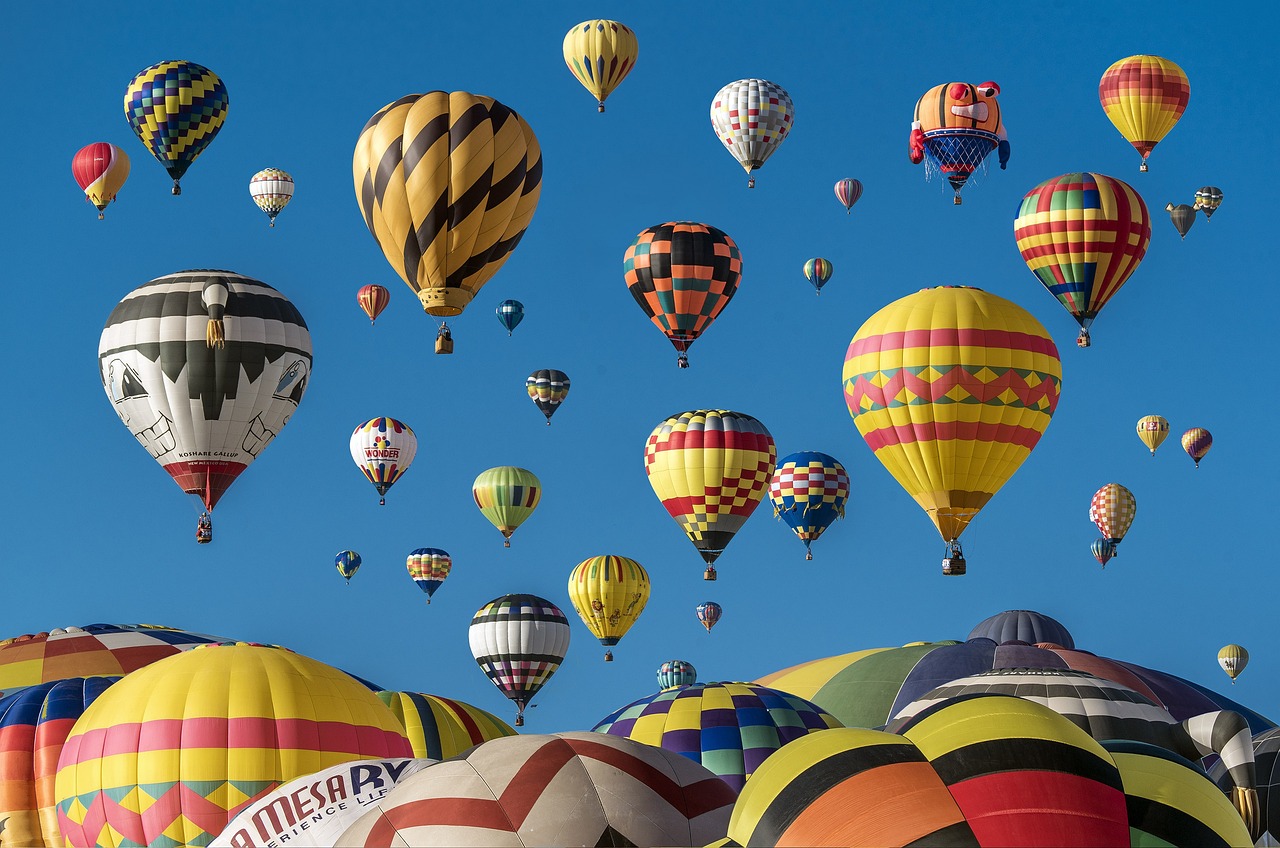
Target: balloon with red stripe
(951,388)
(100,170)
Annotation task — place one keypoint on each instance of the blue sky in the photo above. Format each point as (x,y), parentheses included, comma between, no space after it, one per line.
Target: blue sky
(96,531)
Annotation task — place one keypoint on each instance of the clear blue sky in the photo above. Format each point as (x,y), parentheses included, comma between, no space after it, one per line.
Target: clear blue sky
(96,531)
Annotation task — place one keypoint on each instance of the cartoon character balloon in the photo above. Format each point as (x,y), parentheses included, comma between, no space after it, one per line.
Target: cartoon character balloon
(954,127)
(609,593)
(176,108)
(271,190)
(817,271)
(1208,199)
(1144,96)
(506,495)
(951,388)
(510,314)
(373,299)
(519,641)
(547,388)
(1152,430)
(429,568)
(1196,442)
(383,449)
(207,389)
(710,468)
(1082,235)
(600,54)
(809,491)
(100,170)
(347,563)
(447,184)
(752,117)
(683,275)
(848,191)
(1112,509)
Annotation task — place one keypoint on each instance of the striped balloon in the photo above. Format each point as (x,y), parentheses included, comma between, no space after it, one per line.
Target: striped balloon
(271,190)
(547,388)
(710,468)
(373,299)
(731,728)
(1144,96)
(1208,199)
(1266,754)
(1233,659)
(1102,551)
(100,170)
(676,673)
(817,271)
(447,184)
(506,495)
(1082,235)
(510,314)
(609,592)
(169,754)
(952,388)
(848,191)
(176,108)
(752,118)
(441,728)
(383,449)
(809,491)
(429,568)
(600,54)
(1112,509)
(558,789)
(708,613)
(1196,442)
(1152,430)
(519,641)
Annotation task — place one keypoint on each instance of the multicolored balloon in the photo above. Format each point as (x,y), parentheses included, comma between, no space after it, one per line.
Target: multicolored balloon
(1208,199)
(676,673)
(207,389)
(809,491)
(447,184)
(440,728)
(1144,96)
(519,641)
(1196,442)
(710,468)
(609,593)
(373,299)
(1103,550)
(429,567)
(271,190)
(383,449)
(952,388)
(682,275)
(347,563)
(1112,509)
(708,613)
(848,191)
(817,271)
(507,495)
(176,108)
(954,127)
(1153,429)
(100,170)
(547,388)
(1182,216)
(510,314)
(600,54)
(1233,659)
(752,117)
(1082,235)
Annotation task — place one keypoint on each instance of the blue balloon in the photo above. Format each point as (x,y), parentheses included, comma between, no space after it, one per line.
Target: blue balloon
(510,313)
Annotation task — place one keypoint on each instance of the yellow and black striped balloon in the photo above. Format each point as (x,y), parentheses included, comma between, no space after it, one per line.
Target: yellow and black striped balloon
(447,183)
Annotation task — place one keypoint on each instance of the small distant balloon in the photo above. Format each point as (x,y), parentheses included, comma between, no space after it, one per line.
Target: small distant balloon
(1208,199)
(510,313)
(373,299)
(848,191)
(271,189)
(1196,442)
(1102,551)
(100,170)
(600,54)
(383,448)
(674,673)
(1112,509)
(1152,430)
(1233,659)
(348,563)
(547,389)
(752,141)
(709,613)
(506,495)
(429,567)
(1182,216)
(818,271)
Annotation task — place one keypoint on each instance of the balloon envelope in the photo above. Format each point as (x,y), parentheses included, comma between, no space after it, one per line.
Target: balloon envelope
(547,388)
(441,728)
(1182,216)
(507,495)
(271,190)
(1233,659)
(752,118)
(676,673)
(1112,509)
(809,491)
(510,314)
(348,563)
(1208,199)
(1196,442)
(429,568)
(383,449)
(848,191)
(519,641)
(1144,96)
(373,299)
(1153,429)
(100,170)
(609,592)
(176,108)
(600,54)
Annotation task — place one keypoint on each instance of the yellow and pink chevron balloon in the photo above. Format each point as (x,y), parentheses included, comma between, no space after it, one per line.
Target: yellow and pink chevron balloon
(952,387)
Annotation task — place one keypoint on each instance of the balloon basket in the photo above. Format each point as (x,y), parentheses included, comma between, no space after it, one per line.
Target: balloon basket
(608,656)
(709,574)
(956,201)
(953,566)
(177,189)
(1143,167)
(519,721)
(808,556)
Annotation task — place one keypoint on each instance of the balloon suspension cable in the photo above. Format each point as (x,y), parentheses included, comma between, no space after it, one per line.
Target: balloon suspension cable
(177,189)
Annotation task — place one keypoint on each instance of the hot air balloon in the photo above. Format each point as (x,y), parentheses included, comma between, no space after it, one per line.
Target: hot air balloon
(205,404)
(1103,550)
(176,108)
(952,388)
(1208,199)
(710,468)
(954,127)
(441,728)
(510,313)
(1182,216)
(817,271)
(271,190)
(848,191)
(1233,659)
(1144,96)
(347,563)
(519,641)
(600,54)
(708,613)
(1082,235)
(1196,442)
(1153,429)
(373,299)
(383,449)
(547,389)
(609,593)
(506,495)
(809,491)
(100,170)
(447,183)
(676,673)
(186,729)
(752,117)
(682,275)
(1112,509)
(429,567)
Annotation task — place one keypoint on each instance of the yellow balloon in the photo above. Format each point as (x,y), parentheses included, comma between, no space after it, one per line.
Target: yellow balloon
(1233,659)
(609,593)
(1153,429)
(447,183)
(1144,96)
(600,54)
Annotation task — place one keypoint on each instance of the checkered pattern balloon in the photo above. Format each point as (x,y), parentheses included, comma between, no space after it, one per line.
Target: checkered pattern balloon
(519,641)
(809,491)
(176,108)
(1113,508)
(752,118)
(271,189)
